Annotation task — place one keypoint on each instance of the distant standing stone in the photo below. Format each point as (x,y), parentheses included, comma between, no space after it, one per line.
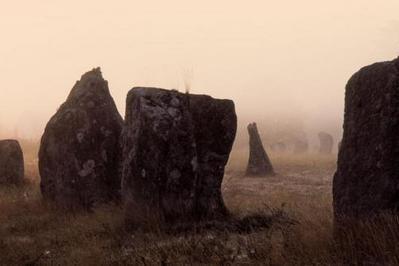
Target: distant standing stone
(258,163)
(11,162)
(367,178)
(326,143)
(79,151)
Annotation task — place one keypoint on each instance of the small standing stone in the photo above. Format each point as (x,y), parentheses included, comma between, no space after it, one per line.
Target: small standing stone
(326,143)
(11,162)
(259,163)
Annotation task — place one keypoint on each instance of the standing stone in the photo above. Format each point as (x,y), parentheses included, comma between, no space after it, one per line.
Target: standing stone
(326,143)
(175,147)
(367,177)
(159,168)
(79,151)
(215,125)
(11,162)
(259,163)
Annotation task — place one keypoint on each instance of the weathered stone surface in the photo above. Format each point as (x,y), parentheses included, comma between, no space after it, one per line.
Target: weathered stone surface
(215,125)
(326,143)
(11,162)
(367,177)
(79,151)
(258,163)
(175,147)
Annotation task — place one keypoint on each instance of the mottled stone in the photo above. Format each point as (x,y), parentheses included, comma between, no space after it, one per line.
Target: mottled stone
(367,178)
(326,143)
(215,125)
(11,162)
(175,147)
(258,163)
(79,151)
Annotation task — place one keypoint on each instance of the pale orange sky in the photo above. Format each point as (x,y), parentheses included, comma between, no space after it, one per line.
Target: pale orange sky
(273,58)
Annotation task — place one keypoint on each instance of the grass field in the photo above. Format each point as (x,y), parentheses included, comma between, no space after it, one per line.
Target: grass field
(297,200)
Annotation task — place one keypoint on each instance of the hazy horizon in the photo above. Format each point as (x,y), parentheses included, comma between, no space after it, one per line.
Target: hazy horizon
(277,60)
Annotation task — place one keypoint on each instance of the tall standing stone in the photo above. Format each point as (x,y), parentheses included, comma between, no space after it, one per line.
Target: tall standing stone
(215,125)
(79,152)
(258,163)
(367,178)
(326,143)
(11,162)
(159,168)
(175,147)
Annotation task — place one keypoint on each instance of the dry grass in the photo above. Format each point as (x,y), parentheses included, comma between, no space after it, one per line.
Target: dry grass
(34,233)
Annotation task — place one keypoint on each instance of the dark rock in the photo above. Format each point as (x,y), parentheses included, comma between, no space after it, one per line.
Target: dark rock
(175,147)
(11,162)
(215,125)
(367,178)
(326,143)
(159,168)
(258,163)
(79,151)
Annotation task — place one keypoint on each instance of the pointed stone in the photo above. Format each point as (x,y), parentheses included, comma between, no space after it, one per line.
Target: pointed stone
(79,151)
(259,163)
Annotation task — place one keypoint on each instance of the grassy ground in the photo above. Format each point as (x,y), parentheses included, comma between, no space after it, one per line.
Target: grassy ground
(297,200)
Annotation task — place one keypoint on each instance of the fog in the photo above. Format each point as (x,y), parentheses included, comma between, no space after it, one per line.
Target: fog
(280,61)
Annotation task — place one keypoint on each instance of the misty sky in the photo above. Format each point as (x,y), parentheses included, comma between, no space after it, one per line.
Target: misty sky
(273,58)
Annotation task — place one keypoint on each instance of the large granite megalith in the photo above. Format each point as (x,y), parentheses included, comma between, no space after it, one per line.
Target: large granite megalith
(326,143)
(367,178)
(11,162)
(258,163)
(79,152)
(175,147)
